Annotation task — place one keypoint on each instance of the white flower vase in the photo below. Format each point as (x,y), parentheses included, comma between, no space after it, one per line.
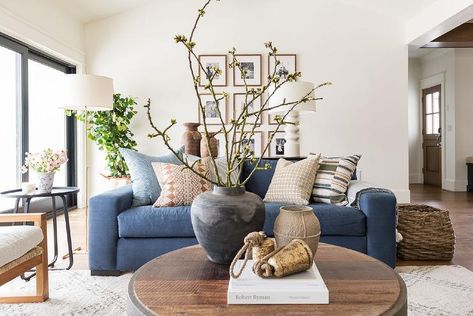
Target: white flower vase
(45,182)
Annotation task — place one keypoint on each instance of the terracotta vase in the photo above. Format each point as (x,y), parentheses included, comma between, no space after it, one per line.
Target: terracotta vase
(297,222)
(191,139)
(204,150)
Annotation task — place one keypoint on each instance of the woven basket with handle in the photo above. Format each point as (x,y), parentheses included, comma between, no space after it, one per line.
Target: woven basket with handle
(427,233)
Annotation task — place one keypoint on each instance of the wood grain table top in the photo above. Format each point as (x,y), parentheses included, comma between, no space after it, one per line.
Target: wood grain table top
(185,282)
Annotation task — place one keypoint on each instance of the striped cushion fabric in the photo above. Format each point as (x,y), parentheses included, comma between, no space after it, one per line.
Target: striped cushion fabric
(292,182)
(333,178)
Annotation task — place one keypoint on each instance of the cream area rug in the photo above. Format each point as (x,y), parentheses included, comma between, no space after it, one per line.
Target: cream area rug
(438,290)
(73,292)
(431,290)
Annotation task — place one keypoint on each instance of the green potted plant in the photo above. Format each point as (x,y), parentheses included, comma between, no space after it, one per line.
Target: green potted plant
(110,130)
(223,217)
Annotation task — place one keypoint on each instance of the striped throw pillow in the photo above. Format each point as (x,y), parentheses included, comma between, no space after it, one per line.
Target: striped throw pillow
(292,182)
(333,178)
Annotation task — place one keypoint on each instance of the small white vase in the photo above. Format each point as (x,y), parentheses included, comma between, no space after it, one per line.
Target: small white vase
(45,182)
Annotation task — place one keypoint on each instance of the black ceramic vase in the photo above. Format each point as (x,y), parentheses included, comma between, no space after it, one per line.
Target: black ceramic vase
(223,217)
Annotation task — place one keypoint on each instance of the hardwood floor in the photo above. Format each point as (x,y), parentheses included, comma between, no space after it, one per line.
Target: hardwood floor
(460,205)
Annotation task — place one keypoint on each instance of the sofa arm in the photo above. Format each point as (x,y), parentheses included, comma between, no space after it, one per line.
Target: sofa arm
(103,226)
(380,211)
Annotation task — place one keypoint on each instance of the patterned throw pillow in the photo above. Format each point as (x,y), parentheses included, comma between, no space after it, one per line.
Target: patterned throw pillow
(333,178)
(180,186)
(292,182)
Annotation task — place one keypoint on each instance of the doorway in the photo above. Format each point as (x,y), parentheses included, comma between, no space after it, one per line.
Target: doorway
(432,135)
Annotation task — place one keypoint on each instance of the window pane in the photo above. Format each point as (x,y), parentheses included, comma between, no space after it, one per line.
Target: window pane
(9,178)
(436,103)
(436,127)
(428,103)
(429,124)
(47,126)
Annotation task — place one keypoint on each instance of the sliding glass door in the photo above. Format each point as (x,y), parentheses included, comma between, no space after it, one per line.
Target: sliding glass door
(9,172)
(30,121)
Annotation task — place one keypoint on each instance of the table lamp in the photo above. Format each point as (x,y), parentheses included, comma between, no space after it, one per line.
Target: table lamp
(87,93)
(287,93)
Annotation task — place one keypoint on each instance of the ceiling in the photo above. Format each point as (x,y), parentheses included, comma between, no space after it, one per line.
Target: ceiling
(87,11)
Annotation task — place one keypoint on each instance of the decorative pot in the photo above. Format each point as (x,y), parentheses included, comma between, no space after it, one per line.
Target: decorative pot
(204,150)
(191,139)
(297,222)
(45,182)
(223,217)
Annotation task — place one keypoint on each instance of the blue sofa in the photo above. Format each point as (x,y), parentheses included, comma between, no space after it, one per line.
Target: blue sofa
(122,238)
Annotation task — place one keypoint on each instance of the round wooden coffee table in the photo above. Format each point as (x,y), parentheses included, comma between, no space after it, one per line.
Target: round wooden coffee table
(185,282)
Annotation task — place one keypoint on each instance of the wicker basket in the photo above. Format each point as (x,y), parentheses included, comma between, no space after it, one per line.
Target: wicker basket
(427,233)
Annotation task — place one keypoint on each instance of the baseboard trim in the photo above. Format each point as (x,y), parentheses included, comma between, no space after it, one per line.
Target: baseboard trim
(105,273)
(455,186)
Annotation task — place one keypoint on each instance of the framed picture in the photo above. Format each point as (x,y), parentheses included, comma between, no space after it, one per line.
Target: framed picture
(239,103)
(212,109)
(253,70)
(276,148)
(210,63)
(255,143)
(287,65)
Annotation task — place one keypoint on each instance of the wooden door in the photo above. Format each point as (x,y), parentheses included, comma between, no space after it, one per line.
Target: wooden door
(432,135)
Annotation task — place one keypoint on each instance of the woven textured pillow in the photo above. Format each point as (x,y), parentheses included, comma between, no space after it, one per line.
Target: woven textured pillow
(292,182)
(180,186)
(333,178)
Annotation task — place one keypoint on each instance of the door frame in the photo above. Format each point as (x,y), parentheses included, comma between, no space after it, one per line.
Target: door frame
(429,82)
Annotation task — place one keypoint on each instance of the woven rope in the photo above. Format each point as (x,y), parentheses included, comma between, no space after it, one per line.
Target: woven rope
(427,231)
(36,251)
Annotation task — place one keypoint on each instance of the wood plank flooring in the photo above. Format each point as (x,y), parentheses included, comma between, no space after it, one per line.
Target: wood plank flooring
(460,205)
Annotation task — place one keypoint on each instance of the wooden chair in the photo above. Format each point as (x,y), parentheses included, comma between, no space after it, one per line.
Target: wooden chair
(35,257)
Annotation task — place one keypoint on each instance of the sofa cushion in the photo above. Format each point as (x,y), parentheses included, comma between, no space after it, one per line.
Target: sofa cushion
(261,179)
(15,241)
(148,221)
(334,220)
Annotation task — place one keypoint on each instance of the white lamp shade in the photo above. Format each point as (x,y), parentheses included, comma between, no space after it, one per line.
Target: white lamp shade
(292,92)
(87,92)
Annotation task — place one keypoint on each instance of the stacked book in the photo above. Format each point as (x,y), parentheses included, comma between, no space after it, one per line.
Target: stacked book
(306,287)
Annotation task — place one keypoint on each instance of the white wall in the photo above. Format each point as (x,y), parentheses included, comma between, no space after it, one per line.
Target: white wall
(361,51)
(43,25)
(414,122)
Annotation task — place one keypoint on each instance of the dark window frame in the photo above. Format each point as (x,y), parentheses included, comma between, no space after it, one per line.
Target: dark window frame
(27,52)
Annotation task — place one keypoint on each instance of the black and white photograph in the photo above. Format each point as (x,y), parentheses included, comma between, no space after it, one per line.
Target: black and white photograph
(276,148)
(286,66)
(210,63)
(239,105)
(213,109)
(255,142)
(251,65)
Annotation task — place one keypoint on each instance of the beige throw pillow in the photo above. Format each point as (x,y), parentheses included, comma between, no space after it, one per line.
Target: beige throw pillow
(179,185)
(292,182)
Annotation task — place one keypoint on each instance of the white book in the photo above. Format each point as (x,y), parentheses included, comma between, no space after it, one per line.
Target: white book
(306,287)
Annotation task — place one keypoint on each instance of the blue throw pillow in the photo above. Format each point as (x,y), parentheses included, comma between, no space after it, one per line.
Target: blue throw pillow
(146,189)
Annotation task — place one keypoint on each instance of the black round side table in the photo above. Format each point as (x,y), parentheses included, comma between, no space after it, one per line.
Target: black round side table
(61,192)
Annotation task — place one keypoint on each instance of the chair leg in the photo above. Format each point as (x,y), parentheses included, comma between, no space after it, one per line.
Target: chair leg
(42,278)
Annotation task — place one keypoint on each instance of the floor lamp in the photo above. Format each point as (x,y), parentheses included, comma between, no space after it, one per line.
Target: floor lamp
(288,93)
(87,93)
